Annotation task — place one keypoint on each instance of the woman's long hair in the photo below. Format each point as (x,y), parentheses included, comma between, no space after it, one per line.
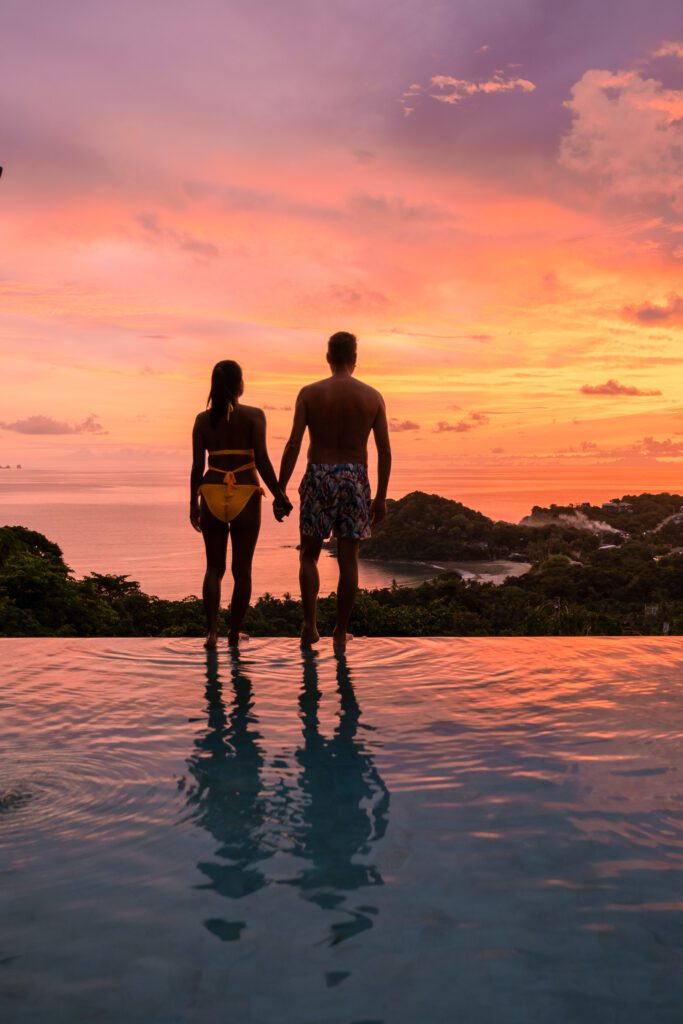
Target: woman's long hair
(226,383)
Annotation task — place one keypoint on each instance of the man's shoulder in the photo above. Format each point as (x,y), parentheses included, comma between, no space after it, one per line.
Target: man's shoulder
(314,388)
(369,390)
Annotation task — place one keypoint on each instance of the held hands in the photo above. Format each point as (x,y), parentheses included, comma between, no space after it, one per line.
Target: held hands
(378,510)
(282,508)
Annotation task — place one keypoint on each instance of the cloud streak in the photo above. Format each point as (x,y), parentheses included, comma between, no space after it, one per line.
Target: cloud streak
(46,425)
(454,91)
(613,387)
(181,239)
(400,426)
(463,426)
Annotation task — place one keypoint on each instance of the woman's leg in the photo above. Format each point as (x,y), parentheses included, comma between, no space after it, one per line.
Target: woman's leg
(215,534)
(244,531)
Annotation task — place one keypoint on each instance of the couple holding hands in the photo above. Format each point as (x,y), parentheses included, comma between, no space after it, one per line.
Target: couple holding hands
(225,495)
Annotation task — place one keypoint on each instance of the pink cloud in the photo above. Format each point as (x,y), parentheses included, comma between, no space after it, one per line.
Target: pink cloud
(669,49)
(454,90)
(627,134)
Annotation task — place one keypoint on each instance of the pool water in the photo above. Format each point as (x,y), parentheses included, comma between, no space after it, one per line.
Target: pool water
(439,830)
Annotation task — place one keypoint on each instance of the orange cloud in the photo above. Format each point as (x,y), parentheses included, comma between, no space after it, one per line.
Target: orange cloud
(454,90)
(669,49)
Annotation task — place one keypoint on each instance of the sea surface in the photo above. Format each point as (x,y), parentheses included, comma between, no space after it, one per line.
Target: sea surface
(440,830)
(135,522)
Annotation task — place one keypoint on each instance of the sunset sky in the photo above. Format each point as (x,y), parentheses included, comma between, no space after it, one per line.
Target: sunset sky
(490,194)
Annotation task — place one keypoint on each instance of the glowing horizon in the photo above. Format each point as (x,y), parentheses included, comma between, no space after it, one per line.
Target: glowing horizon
(490,201)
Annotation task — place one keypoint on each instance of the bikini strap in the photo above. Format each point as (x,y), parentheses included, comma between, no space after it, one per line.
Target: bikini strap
(234,451)
(229,474)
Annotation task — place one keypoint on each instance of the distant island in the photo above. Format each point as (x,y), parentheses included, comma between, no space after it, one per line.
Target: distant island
(616,569)
(427,527)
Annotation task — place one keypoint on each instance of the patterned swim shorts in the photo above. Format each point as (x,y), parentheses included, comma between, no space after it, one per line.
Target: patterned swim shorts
(335,498)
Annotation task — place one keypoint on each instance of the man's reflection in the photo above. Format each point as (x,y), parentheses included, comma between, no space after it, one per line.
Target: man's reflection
(344,804)
(227,797)
(337,811)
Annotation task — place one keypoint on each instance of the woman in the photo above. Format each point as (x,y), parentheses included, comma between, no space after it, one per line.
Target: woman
(234,435)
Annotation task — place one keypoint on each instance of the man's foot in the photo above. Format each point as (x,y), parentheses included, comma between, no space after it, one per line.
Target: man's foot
(211,641)
(309,636)
(340,638)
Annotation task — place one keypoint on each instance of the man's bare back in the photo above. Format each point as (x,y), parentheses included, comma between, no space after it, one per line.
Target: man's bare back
(340,412)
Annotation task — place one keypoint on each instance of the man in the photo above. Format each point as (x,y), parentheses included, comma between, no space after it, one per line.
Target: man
(339,412)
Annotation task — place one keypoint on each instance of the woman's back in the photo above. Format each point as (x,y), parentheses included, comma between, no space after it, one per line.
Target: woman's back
(235,433)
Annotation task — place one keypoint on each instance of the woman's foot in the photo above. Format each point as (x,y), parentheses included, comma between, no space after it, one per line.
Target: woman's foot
(309,636)
(340,638)
(211,641)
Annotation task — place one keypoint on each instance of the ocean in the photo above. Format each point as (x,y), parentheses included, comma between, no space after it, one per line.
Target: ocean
(134,522)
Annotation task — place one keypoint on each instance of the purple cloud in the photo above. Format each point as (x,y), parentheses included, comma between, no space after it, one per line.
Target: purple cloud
(463,426)
(649,313)
(398,426)
(613,387)
(48,425)
(188,243)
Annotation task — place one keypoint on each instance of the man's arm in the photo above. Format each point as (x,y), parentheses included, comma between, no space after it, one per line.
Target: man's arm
(293,446)
(197,472)
(380,430)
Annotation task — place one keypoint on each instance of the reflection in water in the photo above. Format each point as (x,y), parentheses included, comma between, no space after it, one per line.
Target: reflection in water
(344,808)
(227,798)
(340,807)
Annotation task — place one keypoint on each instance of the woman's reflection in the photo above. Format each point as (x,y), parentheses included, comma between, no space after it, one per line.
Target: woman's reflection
(337,811)
(227,797)
(344,804)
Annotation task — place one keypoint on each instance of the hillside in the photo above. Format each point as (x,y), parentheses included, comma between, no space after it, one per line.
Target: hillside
(624,590)
(427,527)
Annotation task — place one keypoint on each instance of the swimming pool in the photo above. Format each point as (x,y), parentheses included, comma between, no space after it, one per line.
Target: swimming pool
(440,830)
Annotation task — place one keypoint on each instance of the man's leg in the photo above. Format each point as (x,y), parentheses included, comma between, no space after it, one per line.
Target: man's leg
(347,557)
(309,581)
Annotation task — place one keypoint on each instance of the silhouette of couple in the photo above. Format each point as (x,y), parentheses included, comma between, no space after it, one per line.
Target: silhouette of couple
(225,495)
(328,819)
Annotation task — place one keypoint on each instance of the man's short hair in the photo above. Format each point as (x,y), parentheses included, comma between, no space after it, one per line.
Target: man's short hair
(341,349)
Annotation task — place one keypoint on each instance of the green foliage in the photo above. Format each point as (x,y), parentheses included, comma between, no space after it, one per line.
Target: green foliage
(636,588)
(427,527)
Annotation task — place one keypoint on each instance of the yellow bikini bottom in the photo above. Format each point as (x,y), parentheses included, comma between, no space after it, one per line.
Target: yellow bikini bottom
(225,501)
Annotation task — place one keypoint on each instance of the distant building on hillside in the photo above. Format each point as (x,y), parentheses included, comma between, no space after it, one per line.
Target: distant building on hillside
(616,505)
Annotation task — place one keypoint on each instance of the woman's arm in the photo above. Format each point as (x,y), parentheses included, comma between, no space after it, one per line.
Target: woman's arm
(263,463)
(197,472)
